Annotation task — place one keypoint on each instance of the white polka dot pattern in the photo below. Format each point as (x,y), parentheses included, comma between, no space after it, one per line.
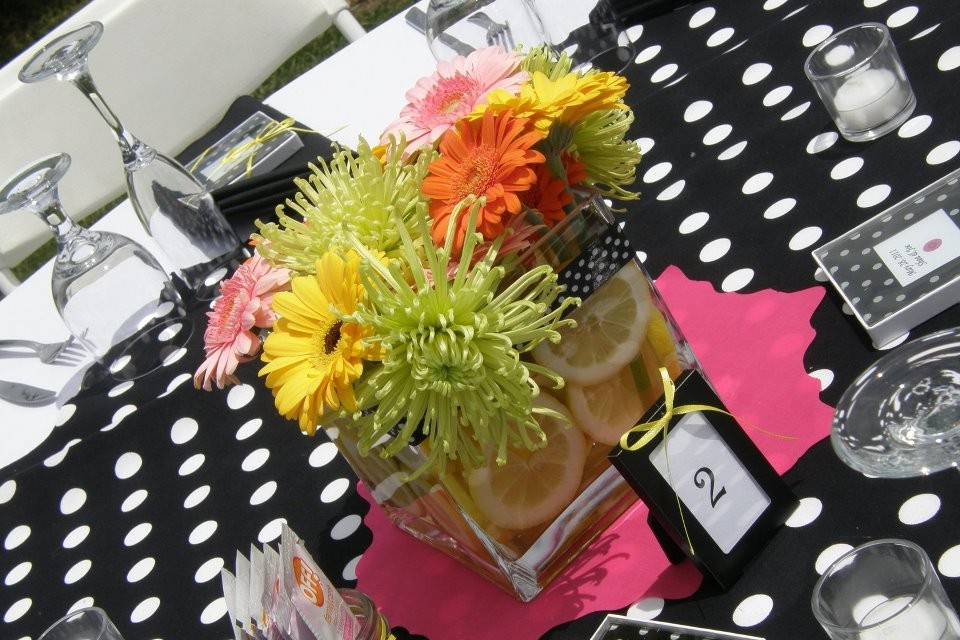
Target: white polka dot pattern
(646,609)
(743,111)
(753,610)
(830,555)
(949,562)
(919,509)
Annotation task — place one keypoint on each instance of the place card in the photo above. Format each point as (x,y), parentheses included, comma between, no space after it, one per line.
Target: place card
(213,174)
(616,627)
(902,266)
(732,499)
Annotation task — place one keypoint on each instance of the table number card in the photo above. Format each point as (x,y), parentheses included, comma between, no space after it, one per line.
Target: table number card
(921,248)
(902,266)
(209,169)
(711,482)
(732,499)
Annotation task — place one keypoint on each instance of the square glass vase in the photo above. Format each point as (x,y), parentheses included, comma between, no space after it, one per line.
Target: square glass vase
(522,524)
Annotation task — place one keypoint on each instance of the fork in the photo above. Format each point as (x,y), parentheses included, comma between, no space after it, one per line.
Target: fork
(48,353)
(498,34)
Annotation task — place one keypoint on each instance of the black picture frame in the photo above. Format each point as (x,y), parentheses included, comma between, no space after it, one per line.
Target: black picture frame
(638,470)
(624,628)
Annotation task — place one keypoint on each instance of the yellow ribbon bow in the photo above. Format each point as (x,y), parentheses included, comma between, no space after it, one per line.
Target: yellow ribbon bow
(653,428)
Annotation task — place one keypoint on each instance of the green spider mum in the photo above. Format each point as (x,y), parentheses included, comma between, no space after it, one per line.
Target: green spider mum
(598,141)
(354,196)
(547,62)
(452,350)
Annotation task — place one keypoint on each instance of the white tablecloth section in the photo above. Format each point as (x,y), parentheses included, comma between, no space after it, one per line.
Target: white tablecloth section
(355,92)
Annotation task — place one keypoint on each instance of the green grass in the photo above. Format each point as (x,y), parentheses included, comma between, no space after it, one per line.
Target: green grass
(26,21)
(23,22)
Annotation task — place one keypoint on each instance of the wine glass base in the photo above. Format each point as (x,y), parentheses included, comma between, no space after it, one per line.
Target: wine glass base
(33,183)
(61,55)
(901,417)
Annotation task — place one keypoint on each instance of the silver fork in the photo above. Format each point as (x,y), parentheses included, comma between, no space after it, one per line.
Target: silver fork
(498,34)
(66,352)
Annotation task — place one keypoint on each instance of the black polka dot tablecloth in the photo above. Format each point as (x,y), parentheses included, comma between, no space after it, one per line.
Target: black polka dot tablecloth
(744,173)
(146,489)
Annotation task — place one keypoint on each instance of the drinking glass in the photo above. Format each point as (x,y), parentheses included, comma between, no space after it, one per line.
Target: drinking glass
(884,590)
(83,624)
(173,206)
(373,626)
(458,27)
(113,296)
(861,81)
(901,417)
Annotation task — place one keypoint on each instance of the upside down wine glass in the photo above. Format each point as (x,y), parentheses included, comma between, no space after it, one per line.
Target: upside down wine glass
(111,293)
(172,205)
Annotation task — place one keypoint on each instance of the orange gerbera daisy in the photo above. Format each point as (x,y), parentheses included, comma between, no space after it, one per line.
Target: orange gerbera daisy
(490,157)
(548,196)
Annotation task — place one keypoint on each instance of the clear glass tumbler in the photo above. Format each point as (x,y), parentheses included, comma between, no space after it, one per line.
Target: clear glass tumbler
(861,81)
(83,624)
(884,590)
(373,626)
(173,206)
(112,295)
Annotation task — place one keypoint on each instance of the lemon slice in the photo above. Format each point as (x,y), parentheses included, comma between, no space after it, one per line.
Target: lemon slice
(533,486)
(611,325)
(606,410)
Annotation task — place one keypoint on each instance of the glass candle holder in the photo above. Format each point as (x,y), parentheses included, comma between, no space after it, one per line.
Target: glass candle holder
(885,589)
(861,82)
(84,624)
(373,626)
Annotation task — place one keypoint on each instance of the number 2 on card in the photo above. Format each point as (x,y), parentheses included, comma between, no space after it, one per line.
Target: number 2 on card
(701,483)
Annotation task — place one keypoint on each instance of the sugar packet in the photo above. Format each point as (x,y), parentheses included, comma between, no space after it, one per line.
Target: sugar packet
(228,584)
(316,601)
(283,595)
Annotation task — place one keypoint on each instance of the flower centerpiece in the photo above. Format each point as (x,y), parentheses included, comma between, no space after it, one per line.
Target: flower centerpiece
(411,299)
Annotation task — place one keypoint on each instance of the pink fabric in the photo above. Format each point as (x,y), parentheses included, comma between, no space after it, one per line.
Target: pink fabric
(751,347)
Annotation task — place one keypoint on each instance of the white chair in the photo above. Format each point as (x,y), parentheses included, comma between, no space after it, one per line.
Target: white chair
(168,68)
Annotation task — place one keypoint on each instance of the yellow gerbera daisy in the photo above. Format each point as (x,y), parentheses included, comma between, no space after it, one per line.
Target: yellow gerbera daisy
(314,355)
(567,99)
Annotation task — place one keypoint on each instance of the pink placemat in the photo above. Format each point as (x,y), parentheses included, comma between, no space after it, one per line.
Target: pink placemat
(751,347)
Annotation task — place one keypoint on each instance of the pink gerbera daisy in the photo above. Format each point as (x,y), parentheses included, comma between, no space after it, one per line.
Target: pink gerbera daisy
(436,102)
(244,303)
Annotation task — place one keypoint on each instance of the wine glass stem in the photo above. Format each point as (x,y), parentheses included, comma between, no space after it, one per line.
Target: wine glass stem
(133,151)
(51,212)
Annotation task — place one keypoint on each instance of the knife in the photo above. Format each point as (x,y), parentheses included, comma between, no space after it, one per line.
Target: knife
(417,19)
(25,395)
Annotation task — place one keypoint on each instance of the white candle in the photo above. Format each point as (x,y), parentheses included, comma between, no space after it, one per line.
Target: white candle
(923,621)
(869,98)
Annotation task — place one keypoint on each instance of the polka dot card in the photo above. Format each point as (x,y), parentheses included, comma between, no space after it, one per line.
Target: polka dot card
(902,266)
(616,627)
